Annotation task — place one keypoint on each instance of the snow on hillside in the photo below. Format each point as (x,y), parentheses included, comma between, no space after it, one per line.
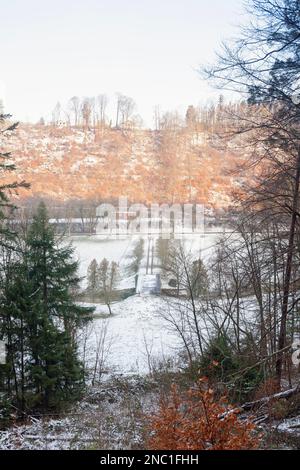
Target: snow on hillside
(65,163)
(136,333)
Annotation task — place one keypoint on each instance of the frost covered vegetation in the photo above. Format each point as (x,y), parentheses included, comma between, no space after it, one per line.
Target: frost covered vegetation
(212,362)
(69,163)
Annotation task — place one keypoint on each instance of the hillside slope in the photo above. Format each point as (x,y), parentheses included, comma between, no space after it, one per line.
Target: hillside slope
(145,165)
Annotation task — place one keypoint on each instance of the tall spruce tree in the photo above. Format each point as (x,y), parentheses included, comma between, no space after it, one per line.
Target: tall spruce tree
(42,320)
(92,278)
(55,370)
(9,330)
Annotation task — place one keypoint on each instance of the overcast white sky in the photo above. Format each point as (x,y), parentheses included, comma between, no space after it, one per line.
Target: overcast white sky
(51,50)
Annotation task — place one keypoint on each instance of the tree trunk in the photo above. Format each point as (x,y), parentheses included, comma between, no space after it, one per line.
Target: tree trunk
(287,279)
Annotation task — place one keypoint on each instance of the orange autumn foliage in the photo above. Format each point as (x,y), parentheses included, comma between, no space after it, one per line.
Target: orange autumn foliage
(102,164)
(198,421)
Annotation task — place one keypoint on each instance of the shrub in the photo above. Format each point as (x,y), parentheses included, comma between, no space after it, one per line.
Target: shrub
(217,361)
(279,409)
(222,365)
(197,421)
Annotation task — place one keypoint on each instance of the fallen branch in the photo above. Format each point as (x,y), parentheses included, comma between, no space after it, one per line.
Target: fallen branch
(263,401)
(276,396)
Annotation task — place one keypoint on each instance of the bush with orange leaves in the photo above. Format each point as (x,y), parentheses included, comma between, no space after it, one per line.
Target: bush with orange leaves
(197,421)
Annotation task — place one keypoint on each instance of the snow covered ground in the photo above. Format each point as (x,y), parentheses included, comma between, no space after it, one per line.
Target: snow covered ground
(89,247)
(134,340)
(135,335)
(127,346)
(291,426)
(108,417)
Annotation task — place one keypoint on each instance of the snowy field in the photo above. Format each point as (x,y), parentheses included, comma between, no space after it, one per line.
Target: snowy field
(140,335)
(135,335)
(89,247)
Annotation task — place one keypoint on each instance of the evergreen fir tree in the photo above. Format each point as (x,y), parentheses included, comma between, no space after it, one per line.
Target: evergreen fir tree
(55,317)
(92,277)
(8,329)
(40,320)
(107,275)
